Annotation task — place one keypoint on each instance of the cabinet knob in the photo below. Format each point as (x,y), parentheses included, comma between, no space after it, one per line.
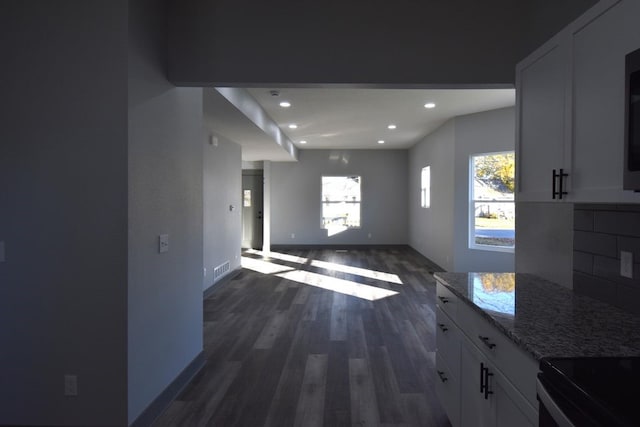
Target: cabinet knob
(443,328)
(444,299)
(442,376)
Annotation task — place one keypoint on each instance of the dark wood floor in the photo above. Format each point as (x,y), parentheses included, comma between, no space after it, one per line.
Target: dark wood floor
(281,352)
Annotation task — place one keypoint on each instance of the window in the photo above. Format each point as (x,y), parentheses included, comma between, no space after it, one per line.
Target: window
(341,198)
(425,187)
(492,206)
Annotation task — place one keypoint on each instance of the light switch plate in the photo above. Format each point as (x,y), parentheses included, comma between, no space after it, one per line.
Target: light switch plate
(163,243)
(626,264)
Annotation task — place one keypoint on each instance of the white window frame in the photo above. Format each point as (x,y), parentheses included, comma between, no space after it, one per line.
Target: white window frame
(472,203)
(425,187)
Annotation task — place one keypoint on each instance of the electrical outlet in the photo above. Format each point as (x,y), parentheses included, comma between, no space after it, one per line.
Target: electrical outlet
(163,243)
(369,235)
(626,264)
(205,271)
(293,235)
(70,385)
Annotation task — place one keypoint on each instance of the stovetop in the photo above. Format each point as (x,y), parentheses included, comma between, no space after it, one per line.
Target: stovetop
(602,388)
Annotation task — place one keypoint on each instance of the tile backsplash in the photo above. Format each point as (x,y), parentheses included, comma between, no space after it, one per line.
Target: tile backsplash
(600,233)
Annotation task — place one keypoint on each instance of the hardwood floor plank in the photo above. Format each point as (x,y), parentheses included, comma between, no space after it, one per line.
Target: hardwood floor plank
(390,408)
(270,331)
(337,409)
(338,330)
(310,410)
(364,407)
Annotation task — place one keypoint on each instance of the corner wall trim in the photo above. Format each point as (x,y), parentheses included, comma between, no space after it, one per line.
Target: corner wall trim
(160,403)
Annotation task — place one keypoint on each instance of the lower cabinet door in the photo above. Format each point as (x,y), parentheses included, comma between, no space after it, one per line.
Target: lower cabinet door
(475,410)
(511,408)
(448,390)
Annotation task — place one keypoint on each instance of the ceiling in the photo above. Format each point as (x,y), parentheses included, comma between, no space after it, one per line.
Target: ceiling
(331,118)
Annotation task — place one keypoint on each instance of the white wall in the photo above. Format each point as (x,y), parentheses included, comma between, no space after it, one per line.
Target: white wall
(63,211)
(222,188)
(431,230)
(441,232)
(165,197)
(296,195)
(485,132)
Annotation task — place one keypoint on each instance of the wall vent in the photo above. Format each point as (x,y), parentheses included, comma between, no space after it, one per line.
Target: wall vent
(221,270)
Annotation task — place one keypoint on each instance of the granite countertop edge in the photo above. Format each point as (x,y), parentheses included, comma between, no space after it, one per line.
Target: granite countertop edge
(615,336)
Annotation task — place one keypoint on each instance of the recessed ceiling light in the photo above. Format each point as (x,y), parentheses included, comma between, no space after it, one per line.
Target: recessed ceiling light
(285,104)
(380,141)
(293,126)
(303,142)
(430,105)
(391,126)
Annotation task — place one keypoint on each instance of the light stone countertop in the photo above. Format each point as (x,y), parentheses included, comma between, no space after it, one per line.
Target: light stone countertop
(546,319)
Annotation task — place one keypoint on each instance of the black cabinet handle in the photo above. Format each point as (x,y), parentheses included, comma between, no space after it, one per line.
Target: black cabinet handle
(482,378)
(487,392)
(561,176)
(444,299)
(443,328)
(443,378)
(557,190)
(486,342)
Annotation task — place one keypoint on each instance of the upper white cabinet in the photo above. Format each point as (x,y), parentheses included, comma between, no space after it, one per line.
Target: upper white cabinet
(571,107)
(543,119)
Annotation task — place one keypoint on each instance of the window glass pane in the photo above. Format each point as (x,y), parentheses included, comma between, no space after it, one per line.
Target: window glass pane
(425,187)
(494,224)
(494,177)
(341,198)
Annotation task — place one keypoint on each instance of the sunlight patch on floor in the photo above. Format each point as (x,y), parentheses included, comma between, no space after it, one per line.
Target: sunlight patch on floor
(264,267)
(342,286)
(364,272)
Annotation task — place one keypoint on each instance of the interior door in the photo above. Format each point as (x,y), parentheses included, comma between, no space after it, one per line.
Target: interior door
(252,209)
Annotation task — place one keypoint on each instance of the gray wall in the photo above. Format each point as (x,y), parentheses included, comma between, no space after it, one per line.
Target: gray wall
(428,42)
(165,196)
(296,195)
(486,132)
(63,211)
(441,232)
(601,231)
(544,240)
(431,230)
(222,188)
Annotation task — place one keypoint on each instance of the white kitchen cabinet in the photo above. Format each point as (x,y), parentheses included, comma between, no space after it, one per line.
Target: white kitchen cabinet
(482,382)
(570,107)
(600,40)
(542,120)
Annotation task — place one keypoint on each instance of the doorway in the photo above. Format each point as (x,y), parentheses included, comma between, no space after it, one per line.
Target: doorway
(252,209)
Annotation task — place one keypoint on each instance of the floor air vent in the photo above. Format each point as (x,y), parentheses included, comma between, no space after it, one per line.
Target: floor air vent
(220,270)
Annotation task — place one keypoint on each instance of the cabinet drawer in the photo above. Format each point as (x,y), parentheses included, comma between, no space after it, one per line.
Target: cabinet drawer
(448,391)
(448,341)
(447,301)
(515,363)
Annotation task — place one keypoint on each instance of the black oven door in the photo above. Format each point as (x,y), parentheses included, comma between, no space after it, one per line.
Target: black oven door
(557,408)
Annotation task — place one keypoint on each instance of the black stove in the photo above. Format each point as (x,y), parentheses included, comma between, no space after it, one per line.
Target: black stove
(590,391)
